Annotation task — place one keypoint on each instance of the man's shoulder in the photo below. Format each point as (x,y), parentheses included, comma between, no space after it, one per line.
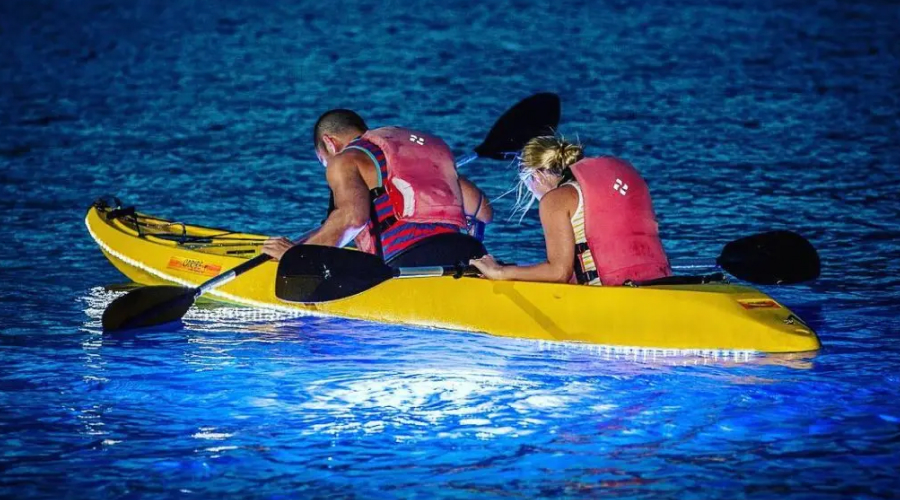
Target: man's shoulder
(351,162)
(354,157)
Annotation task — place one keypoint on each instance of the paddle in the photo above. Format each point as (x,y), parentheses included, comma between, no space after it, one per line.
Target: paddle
(533,116)
(313,273)
(156,305)
(310,273)
(772,258)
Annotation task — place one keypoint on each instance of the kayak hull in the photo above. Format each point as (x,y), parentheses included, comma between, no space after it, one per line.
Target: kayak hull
(693,317)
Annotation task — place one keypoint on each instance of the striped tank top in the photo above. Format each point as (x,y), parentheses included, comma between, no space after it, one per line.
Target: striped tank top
(585,258)
(395,235)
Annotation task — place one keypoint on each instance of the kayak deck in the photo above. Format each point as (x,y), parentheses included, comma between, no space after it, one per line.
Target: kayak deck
(153,251)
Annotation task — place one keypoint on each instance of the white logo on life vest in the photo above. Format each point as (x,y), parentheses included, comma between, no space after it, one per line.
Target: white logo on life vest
(620,187)
(409,196)
(416,139)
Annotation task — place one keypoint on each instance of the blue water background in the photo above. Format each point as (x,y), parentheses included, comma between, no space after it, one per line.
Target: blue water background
(744,116)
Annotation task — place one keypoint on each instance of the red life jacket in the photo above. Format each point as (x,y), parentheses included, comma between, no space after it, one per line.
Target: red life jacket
(418,193)
(620,225)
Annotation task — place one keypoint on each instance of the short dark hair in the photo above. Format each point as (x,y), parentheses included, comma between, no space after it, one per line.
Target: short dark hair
(336,121)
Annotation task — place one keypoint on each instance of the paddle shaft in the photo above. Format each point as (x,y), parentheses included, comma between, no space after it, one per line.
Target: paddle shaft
(243,268)
(470,157)
(694,264)
(466,159)
(232,274)
(772,258)
(432,271)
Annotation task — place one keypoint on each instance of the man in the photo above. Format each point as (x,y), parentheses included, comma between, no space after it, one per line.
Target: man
(396,193)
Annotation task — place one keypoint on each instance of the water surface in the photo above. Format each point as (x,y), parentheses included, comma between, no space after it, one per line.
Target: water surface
(743,117)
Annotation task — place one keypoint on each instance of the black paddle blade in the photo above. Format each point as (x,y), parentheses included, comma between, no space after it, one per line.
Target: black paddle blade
(531,117)
(312,273)
(148,306)
(773,258)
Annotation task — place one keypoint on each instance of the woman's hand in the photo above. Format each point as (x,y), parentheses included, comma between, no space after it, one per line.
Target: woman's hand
(541,183)
(488,267)
(276,247)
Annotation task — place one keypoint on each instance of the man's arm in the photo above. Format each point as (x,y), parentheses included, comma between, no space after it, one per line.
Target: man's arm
(350,215)
(351,203)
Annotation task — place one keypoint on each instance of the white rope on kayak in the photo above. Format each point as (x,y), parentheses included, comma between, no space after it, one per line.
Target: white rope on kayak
(173,279)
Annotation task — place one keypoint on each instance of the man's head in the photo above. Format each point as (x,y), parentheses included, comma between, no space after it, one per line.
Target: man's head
(334,130)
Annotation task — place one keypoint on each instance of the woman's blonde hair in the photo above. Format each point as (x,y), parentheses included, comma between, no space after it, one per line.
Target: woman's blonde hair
(550,153)
(545,153)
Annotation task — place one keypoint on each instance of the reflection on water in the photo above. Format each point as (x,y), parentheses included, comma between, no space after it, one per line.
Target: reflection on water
(412,384)
(377,409)
(269,325)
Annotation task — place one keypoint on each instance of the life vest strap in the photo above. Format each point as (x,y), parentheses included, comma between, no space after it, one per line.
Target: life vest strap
(387,223)
(583,276)
(376,226)
(383,226)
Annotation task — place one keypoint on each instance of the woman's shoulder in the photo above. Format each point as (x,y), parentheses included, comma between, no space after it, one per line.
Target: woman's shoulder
(564,197)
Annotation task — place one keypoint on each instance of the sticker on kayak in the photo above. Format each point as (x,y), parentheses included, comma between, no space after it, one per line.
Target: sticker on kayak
(759,304)
(194,266)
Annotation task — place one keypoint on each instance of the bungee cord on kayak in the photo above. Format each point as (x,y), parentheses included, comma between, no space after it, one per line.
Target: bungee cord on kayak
(146,226)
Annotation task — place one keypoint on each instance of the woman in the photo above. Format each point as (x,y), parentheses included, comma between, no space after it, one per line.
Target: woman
(598,219)
(477,207)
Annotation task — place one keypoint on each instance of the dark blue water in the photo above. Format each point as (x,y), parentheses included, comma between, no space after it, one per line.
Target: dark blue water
(743,116)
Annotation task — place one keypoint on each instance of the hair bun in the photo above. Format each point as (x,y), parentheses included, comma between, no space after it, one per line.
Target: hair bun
(551,153)
(570,154)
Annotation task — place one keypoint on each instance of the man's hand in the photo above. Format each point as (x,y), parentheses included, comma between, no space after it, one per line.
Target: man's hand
(276,247)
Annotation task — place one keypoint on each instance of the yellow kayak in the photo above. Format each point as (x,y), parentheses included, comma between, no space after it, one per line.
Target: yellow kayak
(713,317)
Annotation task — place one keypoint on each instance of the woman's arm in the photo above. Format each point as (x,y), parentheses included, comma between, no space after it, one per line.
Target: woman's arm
(477,208)
(556,212)
(475,202)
